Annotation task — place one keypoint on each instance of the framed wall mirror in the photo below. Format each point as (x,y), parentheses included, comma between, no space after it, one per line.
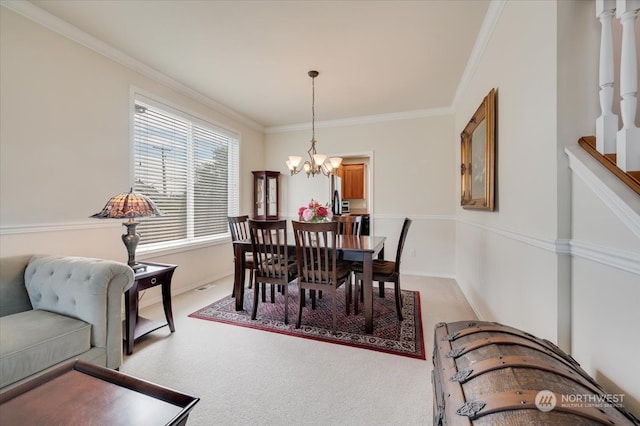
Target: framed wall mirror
(477,168)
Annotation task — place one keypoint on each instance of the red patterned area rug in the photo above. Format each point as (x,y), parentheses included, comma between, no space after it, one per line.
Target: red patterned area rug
(389,335)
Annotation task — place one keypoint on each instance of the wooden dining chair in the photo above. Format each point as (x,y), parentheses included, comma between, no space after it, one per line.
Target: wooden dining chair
(349,225)
(239,228)
(385,270)
(318,266)
(271,257)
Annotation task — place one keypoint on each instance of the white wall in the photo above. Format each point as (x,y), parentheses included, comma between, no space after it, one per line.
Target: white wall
(65,149)
(410,179)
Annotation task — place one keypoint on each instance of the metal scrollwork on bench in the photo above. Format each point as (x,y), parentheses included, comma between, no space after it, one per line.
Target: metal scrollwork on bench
(461,375)
(470,409)
(454,353)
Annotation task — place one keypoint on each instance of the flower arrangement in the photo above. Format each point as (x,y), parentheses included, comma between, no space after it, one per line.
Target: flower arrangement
(315,212)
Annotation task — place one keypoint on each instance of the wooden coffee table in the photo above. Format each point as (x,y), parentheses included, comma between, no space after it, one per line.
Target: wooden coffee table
(79,393)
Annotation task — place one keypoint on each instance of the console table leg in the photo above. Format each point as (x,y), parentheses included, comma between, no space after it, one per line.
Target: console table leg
(166,303)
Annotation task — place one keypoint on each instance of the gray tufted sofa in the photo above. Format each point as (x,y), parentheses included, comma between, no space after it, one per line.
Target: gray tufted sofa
(53,309)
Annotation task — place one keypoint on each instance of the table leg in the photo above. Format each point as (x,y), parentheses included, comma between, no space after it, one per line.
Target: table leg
(367,266)
(131,315)
(238,276)
(381,283)
(166,301)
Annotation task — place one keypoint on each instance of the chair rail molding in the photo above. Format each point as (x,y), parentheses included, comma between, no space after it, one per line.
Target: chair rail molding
(57,227)
(623,260)
(559,246)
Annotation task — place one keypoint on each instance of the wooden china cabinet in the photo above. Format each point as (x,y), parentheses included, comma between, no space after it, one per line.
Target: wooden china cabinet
(266,186)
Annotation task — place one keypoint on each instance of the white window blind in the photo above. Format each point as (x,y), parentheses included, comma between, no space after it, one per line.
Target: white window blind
(189,168)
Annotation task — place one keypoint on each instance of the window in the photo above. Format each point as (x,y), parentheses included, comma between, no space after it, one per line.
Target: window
(189,168)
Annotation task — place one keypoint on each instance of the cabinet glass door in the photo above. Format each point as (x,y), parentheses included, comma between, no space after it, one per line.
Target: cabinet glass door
(265,195)
(272,196)
(260,196)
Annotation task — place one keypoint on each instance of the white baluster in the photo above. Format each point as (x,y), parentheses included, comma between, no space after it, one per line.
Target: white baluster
(607,123)
(628,138)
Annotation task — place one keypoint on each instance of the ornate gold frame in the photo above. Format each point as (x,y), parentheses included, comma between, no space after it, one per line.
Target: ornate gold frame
(478,157)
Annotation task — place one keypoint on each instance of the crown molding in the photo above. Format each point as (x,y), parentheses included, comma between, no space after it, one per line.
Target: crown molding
(366,119)
(47,20)
(486,30)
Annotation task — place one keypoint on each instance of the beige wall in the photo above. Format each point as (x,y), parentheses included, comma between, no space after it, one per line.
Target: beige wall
(65,149)
(605,266)
(606,282)
(505,260)
(410,179)
(553,259)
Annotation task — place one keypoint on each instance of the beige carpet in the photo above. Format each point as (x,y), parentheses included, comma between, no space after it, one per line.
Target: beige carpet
(251,377)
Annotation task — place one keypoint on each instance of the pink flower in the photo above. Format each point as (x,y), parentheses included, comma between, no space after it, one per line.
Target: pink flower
(315,212)
(308,214)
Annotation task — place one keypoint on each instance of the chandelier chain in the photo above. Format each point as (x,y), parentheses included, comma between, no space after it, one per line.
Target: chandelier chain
(313,108)
(315,165)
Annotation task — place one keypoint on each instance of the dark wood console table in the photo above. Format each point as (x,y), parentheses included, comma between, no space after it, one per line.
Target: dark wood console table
(135,326)
(79,393)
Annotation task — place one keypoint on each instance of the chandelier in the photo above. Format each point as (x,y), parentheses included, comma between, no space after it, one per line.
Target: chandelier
(316,163)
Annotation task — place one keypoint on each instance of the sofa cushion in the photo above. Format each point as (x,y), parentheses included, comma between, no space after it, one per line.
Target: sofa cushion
(35,340)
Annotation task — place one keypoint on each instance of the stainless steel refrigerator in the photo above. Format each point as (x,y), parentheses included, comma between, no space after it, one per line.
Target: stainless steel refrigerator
(336,194)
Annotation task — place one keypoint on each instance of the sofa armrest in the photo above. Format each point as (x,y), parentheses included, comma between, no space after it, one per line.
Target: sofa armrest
(13,294)
(87,289)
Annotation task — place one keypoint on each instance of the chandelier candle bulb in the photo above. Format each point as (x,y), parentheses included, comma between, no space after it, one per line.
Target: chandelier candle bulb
(319,158)
(294,162)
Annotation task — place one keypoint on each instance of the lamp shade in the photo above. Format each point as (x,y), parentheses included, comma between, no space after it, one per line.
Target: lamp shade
(128,204)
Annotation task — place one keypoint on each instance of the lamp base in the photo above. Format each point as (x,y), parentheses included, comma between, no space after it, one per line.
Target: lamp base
(130,240)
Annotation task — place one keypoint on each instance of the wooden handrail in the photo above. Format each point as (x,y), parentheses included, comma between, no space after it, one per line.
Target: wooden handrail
(632,179)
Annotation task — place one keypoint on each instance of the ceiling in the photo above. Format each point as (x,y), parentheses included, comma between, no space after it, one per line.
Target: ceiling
(374,57)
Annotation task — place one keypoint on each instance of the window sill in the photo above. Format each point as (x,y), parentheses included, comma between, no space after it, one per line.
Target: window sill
(154,250)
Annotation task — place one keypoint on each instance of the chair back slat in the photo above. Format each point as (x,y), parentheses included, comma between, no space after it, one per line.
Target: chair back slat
(239,227)
(270,249)
(349,225)
(316,251)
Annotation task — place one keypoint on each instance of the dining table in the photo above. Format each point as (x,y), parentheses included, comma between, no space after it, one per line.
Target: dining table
(359,248)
